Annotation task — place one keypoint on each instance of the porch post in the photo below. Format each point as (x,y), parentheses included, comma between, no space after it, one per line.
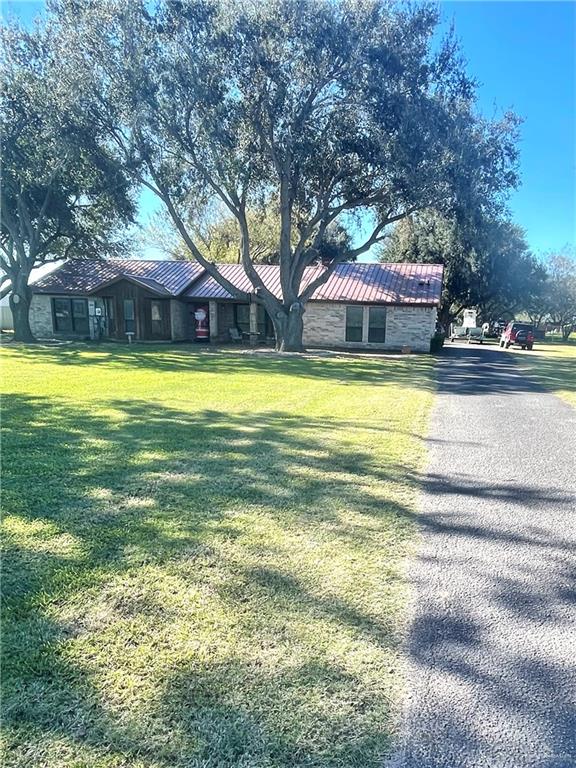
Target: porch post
(253,323)
(213,321)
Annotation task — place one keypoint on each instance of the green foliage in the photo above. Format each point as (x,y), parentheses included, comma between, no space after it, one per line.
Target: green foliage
(63,194)
(487,261)
(329,107)
(219,234)
(437,342)
(559,299)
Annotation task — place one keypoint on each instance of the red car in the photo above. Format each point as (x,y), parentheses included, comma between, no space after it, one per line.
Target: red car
(521,334)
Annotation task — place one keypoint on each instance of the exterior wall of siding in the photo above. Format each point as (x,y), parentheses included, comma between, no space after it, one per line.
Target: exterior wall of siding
(325,326)
(116,293)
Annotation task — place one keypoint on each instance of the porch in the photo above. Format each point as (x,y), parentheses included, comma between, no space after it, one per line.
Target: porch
(234,321)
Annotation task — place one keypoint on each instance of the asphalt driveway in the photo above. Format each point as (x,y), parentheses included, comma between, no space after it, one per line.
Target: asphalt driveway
(492,648)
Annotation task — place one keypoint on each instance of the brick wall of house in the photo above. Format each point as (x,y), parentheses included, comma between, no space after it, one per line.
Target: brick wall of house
(41,316)
(410,326)
(325,326)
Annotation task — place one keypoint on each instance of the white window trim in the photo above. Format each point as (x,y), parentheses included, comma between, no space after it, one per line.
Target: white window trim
(366,326)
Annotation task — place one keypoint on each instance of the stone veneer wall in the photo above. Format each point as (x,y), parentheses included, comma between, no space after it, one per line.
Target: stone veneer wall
(325,326)
(179,320)
(41,316)
(41,320)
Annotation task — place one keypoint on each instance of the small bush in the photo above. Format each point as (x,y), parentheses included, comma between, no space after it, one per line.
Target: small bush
(436,343)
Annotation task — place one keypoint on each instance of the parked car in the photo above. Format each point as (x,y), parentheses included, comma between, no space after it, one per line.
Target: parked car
(521,334)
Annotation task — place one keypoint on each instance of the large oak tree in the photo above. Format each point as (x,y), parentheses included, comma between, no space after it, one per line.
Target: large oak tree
(334,107)
(63,195)
(218,235)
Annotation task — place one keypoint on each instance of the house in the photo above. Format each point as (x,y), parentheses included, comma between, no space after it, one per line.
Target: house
(6,320)
(368,306)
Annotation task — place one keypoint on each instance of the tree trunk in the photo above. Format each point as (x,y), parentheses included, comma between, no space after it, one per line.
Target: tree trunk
(566,331)
(445,318)
(289,327)
(20,300)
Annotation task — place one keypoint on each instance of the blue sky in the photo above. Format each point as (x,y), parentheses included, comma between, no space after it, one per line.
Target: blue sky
(523,54)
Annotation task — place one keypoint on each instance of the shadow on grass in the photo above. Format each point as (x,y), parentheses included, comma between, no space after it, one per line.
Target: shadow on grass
(556,374)
(347,367)
(478,371)
(91,498)
(95,499)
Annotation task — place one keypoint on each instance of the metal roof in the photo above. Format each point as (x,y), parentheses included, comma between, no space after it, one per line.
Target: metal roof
(208,288)
(88,275)
(78,276)
(350,282)
(357,282)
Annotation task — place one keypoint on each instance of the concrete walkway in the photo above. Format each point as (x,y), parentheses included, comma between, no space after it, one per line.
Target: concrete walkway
(492,649)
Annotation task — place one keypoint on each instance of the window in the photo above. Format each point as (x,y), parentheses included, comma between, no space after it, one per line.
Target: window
(109,313)
(80,316)
(242,317)
(71,316)
(354,319)
(377,325)
(160,319)
(129,316)
(62,315)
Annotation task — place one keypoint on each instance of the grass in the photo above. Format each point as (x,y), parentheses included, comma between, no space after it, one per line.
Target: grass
(553,363)
(204,555)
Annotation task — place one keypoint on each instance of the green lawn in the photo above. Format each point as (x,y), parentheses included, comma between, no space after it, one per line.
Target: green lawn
(554,365)
(204,555)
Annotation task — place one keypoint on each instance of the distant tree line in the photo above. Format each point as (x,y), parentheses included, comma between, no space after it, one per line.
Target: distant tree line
(488,265)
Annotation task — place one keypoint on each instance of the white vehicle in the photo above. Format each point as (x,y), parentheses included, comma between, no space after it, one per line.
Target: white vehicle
(469,318)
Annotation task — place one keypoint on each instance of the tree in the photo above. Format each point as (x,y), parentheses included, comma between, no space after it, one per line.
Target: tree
(486,259)
(332,107)
(61,195)
(561,292)
(218,233)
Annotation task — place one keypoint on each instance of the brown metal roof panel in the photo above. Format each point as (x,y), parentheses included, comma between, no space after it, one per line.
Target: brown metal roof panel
(85,276)
(78,276)
(360,282)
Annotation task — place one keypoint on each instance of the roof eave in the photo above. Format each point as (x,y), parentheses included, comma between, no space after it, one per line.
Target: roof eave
(141,284)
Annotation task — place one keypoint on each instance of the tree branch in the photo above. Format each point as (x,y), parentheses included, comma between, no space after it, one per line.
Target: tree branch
(162,193)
